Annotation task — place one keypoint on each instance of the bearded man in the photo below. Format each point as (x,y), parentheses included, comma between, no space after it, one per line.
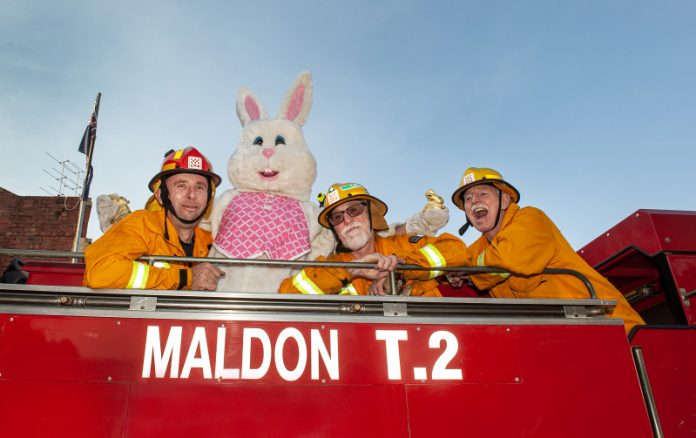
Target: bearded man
(355,216)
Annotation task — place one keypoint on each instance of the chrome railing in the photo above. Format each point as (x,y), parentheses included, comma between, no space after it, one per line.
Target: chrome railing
(151,259)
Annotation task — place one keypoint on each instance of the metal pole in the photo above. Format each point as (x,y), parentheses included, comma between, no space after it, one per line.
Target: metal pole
(88,175)
(392,283)
(644,381)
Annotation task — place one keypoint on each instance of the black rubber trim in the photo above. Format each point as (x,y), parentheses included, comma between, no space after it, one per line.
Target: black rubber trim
(637,328)
(183,278)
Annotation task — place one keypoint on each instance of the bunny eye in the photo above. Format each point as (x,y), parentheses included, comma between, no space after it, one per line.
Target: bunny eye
(258,141)
(280,140)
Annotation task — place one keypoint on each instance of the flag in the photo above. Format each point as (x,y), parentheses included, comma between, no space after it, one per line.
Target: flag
(90,132)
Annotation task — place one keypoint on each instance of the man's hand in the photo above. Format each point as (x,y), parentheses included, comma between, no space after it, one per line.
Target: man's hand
(377,287)
(205,276)
(384,265)
(383,286)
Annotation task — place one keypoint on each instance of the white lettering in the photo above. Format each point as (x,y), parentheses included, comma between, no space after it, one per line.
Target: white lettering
(153,352)
(247,371)
(258,352)
(290,375)
(199,341)
(392,338)
(440,370)
(220,371)
(319,348)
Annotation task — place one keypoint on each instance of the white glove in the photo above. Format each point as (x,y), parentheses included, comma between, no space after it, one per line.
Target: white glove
(106,210)
(427,222)
(111,209)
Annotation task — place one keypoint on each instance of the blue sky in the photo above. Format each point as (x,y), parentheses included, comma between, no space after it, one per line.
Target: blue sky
(587,107)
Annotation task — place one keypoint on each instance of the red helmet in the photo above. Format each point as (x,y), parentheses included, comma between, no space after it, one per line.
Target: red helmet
(187,160)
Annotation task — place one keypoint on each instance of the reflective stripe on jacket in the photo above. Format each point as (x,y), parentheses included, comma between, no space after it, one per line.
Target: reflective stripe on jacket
(436,252)
(111,259)
(527,243)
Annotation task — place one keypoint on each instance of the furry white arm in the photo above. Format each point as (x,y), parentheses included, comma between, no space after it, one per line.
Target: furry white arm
(322,239)
(106,210)
(323,244)
(427,222)
(395,228)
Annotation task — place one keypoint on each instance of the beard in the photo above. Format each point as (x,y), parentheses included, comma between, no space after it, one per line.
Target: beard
(355,236)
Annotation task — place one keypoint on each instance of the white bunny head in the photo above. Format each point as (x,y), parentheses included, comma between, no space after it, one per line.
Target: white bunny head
(272,155)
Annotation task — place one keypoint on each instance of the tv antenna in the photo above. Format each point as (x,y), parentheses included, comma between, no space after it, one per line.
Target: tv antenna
(67,176)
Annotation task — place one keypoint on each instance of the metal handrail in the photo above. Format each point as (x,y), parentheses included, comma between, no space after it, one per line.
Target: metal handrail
(151,259)
(175,304)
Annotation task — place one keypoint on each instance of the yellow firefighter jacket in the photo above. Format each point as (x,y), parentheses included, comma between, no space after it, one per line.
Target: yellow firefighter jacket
(435,252)
(111,259)
(527,243)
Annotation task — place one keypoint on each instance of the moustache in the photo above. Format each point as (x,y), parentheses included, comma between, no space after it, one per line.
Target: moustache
(351,227)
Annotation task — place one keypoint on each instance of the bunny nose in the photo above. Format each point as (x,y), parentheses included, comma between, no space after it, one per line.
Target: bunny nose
(268,153)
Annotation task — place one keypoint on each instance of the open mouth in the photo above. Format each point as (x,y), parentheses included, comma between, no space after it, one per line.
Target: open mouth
(268,174)
(480,212)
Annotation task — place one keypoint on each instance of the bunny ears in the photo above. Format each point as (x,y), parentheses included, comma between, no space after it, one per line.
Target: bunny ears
(295,106)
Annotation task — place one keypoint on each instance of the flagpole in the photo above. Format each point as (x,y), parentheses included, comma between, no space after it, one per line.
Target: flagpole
(88,176)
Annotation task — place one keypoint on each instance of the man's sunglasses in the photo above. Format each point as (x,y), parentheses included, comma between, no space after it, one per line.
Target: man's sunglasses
(336,217)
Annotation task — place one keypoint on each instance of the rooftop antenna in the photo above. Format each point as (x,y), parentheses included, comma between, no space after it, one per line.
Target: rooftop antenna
(67,178)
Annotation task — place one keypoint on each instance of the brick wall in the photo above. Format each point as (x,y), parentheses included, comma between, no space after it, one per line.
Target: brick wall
(38,222)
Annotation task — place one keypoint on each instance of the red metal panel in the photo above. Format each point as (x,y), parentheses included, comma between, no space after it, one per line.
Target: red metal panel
(676,230)
(268,410)
(516,380)
(108,349)
(631,269)
(650,230)
(670,355)
(45,408)
(574,382)
(66,348)
(637,229)
(683,269)
(54,273)
(466,291)
(626,255)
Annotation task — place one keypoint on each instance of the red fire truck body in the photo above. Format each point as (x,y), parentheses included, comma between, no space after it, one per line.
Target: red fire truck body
(81,362)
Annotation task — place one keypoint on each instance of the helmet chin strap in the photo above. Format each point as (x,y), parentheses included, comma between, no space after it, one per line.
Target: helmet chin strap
(468,223)
(168,207)
(465,227)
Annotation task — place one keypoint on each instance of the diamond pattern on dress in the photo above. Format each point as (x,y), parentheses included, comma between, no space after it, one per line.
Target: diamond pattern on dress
(256,224)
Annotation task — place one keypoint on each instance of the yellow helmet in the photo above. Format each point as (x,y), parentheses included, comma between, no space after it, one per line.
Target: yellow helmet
(475,176)
(339,193)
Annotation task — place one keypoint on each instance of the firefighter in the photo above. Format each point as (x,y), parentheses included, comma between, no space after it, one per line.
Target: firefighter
(185,189)
(354,216)
(524,241)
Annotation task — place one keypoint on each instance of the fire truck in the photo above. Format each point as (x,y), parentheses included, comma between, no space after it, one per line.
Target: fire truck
(81,362)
